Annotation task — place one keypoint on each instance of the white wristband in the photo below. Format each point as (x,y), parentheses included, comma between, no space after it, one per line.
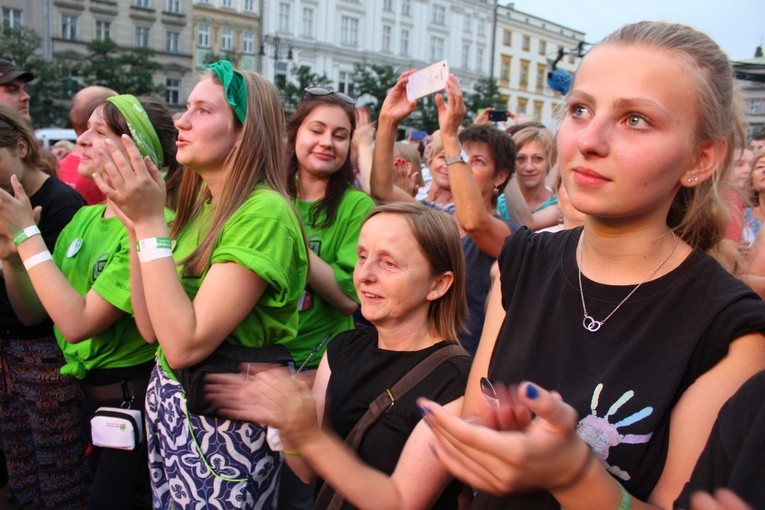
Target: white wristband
(154,254)
(37,259)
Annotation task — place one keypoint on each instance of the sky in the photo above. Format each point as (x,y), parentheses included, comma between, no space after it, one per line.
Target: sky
(738,26)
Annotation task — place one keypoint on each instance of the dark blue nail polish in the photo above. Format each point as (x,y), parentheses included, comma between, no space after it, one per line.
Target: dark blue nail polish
(424,410)
(531,391)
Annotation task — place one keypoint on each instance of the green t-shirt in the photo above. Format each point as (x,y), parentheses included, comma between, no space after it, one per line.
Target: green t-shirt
(335,245)
(264,236)
(92,252)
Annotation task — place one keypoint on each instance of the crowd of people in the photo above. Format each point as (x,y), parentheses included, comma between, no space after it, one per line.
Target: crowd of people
(303,313)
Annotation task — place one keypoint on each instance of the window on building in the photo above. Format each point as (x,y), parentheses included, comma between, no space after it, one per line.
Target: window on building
(228,4)
(13,18)
(523,103)
(436,49)
(203,36)
(388,5)
(171,41)
(538,106)
(479,51)
(526,43)
(307,30)
(542,47)
(438,15)
(142,37)
(541,74)
(226,39)
(754,106)
(481,27)
(142,3)
(249,5)
(173,5)
(387,30)
(467,25)
(68,27)
(173,91)
(349,31)
(504,70)
(465,55)
(507,38)
(404,41)
(524,76)
(248,42)
(345,82)
(406,7)
(284,17)
(103,30)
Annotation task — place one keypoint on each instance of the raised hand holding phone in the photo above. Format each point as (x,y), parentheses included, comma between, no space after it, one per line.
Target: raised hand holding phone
(427,80)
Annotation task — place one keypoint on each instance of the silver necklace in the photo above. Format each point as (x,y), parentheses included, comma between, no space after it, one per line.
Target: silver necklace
(589,323)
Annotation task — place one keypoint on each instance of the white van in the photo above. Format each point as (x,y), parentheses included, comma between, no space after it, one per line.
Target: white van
(49,136)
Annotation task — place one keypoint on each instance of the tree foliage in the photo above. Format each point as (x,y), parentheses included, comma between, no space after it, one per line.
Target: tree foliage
(128,71)
(54,85)
(301,78)
(485,95)
(375,80)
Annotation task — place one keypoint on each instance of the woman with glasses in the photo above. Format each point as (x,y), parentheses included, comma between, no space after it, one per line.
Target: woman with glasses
(227,276)
(320,182)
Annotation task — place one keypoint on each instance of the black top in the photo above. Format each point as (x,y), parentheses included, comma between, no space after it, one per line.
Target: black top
(361,372)
(734,456)
(59,202)
(624,379)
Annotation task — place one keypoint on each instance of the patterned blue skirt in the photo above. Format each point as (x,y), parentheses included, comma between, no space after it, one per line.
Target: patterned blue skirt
(199,462)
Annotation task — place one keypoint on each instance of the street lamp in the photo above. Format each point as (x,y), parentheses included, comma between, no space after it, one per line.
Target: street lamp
(277,45)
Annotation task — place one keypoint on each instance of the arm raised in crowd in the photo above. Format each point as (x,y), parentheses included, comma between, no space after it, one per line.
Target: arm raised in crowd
(394,109)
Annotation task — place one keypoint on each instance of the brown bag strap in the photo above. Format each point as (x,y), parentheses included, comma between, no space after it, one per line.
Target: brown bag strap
(382,404)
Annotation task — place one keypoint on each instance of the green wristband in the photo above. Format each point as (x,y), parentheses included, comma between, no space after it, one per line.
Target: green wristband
(23,235)
(626,502)
(152,243)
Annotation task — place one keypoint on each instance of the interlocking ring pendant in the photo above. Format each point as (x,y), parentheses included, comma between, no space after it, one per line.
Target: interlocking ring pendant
(590,324)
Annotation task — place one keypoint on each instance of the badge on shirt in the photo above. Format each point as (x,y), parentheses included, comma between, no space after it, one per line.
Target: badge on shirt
(74,248)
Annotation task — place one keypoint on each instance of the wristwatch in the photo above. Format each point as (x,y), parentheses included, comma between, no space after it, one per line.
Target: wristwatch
(462,157)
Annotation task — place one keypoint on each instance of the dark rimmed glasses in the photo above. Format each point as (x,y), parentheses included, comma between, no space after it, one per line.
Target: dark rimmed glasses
(323,91)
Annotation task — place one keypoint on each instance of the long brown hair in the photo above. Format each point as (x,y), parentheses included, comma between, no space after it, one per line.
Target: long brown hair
(256,156)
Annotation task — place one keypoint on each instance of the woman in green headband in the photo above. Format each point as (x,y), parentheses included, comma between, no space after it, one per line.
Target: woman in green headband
(232,281)
(84,287)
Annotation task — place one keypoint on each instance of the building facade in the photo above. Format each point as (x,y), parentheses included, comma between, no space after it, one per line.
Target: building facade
(479,38)
(67,26)
(330,36)
(525,49)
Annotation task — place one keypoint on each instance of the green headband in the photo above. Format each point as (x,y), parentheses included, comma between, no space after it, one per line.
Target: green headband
(141,130)
(233,85)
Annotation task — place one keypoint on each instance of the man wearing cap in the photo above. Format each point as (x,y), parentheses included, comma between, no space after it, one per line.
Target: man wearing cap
(13,88)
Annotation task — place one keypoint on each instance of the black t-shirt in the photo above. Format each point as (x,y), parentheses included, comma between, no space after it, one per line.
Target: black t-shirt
(361,372)
(624,379)
(59,202)
(734,456)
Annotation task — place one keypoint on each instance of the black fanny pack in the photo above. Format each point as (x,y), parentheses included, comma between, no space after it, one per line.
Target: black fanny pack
(226,359)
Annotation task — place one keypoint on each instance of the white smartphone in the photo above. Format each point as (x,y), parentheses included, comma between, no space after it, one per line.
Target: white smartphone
(427,80)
